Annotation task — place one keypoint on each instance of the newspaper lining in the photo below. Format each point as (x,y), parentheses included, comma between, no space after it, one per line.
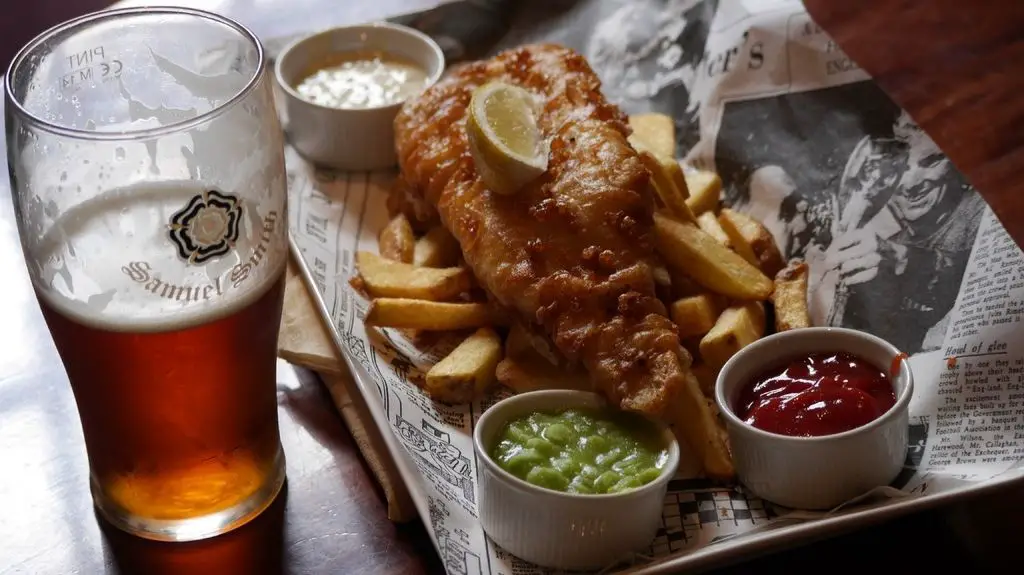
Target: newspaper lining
(898,243)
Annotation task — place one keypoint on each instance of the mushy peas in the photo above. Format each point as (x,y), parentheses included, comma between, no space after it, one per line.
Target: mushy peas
(586,451)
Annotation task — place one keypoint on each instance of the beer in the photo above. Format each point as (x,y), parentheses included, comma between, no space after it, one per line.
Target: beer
(172,362)
(148,181)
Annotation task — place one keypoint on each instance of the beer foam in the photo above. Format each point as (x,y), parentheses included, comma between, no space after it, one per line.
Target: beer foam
(111,261)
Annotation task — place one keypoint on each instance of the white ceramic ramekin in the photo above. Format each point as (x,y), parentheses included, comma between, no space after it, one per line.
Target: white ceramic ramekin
(816,473)
(563,530)
(349,139)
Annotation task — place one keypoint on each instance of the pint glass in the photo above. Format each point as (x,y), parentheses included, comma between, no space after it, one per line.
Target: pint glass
(147,173)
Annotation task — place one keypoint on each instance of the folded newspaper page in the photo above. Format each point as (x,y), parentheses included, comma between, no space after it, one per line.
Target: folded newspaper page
(899,244)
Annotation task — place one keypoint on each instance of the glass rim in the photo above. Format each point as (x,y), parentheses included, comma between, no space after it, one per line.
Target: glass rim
(145,133)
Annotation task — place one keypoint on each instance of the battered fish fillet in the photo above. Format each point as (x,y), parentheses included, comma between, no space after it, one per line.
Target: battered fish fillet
(571,256)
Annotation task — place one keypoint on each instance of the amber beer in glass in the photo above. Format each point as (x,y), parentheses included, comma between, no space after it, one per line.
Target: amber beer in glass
(147,173)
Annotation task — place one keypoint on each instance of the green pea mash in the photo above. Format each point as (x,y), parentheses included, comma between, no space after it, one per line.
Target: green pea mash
(587,451)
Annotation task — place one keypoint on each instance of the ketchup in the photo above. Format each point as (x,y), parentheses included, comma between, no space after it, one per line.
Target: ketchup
(819,394)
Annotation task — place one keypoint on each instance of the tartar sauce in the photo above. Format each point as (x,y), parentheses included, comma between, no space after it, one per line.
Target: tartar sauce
(356,80)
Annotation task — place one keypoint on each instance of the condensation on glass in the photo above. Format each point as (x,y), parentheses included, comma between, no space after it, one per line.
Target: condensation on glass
(147,169)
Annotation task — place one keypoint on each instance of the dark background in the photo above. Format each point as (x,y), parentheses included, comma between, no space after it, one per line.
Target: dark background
(23,19)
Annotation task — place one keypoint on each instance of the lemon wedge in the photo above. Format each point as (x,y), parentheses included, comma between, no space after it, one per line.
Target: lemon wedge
(504,139)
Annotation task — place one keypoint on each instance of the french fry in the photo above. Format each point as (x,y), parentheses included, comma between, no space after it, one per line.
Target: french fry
(709,223)
(737,327)
(694,421)
(638,143)
(380,277)
(706,376)
(396,240)
(436,249)
(403,199)
(695,315)
(528,370)
(692,345)
(524,368)
(675,173)
(708,262)
(790,297)
(655,133)
(517,342)
(468,370)
(521,342)
(523,374)
(683,285)
(758,313)
(669,183)
(737,241)
(429,315)
(661,276)
(705,188)
(662,283)
(752,240)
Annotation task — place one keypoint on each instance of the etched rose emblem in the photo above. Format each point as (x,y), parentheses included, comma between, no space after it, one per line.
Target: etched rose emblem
(207,227)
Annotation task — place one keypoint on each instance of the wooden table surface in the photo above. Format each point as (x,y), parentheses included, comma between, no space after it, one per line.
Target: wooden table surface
(331,518)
